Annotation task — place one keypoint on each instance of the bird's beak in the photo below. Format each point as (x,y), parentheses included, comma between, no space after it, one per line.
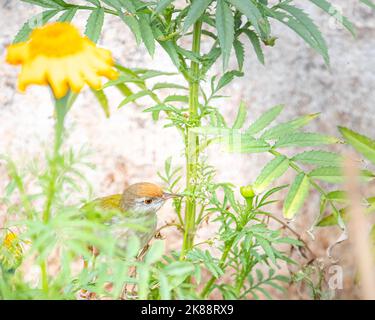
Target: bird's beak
(167,195)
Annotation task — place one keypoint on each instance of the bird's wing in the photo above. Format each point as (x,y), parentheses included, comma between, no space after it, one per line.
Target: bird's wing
(104,208)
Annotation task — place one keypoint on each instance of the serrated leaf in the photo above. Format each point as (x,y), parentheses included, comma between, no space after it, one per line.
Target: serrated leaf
(335,174)
(256,44)
(196,10)
(244,144)
(298,28)
(41,18)
(296,196)
(304,139)
(133,25)
(68,15)
(250,10)
(288,127)
(240,53)
(331,10)
(361,143)
(147,34)
(306,21)
(273,170)
(227,78)
(47,3)
(103,101)
(241,116)
(94,24)
(225,30)
(264,120)
(318,157)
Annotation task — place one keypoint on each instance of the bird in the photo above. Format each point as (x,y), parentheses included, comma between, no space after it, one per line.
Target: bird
(135,207)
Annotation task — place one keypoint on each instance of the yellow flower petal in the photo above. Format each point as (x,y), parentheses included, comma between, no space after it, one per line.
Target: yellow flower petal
(58,55)
(17,53)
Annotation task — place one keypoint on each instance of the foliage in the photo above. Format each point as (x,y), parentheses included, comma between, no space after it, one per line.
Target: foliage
(250,249)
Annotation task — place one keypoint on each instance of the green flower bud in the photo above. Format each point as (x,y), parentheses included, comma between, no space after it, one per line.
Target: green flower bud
(247,192)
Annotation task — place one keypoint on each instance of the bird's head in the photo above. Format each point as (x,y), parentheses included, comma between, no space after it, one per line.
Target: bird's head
(144,198)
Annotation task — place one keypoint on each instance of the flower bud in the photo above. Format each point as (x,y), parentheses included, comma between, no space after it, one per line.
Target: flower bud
(247,191)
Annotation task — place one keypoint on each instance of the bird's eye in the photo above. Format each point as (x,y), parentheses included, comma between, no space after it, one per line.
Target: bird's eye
(148,201)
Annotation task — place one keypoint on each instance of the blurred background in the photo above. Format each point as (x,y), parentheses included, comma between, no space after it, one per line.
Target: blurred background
(129,147)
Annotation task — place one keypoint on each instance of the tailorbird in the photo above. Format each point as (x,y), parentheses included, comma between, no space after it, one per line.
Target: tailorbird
(131,213)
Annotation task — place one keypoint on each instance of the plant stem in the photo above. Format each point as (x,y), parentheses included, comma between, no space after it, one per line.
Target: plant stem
(60,112)
(224,256)
(191,143)
(61,108)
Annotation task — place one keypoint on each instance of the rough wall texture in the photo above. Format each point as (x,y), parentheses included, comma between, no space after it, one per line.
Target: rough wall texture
(130,147)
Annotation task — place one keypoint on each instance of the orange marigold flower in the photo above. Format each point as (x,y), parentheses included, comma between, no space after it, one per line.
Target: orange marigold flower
(56,54)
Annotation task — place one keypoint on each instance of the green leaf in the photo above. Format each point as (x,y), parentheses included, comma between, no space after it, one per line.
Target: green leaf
(264,120)
(240,53)
(227,78)
(133,97)
(155,253)
(196,10)
(241,116)
(304,139)
(143,272)
(94,2)
(47,3)
(94,24)
(288,127)
(305,20)
(369,3)
(300,29)
(318,157)
(337,195)
(296,196)
(132,247)
(165,290)
(68,15)
(335,174)
(162,5)
(168,85)
(179,268)
(331,219)
(170,47)
(361,143)
(329,174)
(256,44)
(273,170)
(41,18)
(225,30)
(250,10)
(103,100)
(176,98)
(267,248)
(133,25)
(147,34)
(331,10)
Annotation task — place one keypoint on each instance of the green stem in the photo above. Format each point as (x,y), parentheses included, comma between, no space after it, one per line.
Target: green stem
(61,108)
(207,287)
(191,143)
